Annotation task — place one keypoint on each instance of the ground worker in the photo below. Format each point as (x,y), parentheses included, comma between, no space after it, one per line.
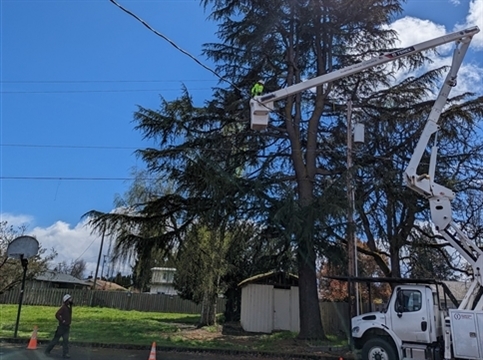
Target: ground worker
(64,316)
(257,89)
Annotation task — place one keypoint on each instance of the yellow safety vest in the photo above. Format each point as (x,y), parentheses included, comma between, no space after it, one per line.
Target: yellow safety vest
(257,89)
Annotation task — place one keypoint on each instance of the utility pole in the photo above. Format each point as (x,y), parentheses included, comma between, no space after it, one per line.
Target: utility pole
(351,240)
(98,262)
(103,263)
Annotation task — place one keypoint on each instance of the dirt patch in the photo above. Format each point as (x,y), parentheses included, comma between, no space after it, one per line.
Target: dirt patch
(232,336)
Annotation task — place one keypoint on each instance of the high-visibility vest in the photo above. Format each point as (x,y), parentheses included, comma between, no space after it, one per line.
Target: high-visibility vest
(257,89)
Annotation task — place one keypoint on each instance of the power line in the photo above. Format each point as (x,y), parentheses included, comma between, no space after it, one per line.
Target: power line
(92,91)
(60,178)
(180,49)
(173,44)
(96,81)
(70,146)
(92,242)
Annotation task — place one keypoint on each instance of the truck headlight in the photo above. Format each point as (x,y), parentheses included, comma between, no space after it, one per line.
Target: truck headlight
(355,330)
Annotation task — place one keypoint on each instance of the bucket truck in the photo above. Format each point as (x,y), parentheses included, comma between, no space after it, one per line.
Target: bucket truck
(415,325)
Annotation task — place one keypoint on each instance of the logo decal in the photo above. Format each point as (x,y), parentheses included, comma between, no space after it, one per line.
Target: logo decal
(459,316)
(400,52)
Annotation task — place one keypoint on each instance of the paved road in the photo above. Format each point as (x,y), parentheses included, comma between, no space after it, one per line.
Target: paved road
(19,352)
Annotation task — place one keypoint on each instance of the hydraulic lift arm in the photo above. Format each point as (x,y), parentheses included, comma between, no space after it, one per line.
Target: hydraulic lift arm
(439,196)
(260,106)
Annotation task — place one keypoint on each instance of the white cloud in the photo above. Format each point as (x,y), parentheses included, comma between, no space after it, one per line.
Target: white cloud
(16,220)
(70,243)
(455,2)
(413,30)
(470,79)
(474,18)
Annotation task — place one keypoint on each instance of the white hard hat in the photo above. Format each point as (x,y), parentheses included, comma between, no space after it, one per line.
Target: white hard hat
(66,297)
(261,82)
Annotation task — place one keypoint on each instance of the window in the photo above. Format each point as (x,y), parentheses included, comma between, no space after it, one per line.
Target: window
(408,301)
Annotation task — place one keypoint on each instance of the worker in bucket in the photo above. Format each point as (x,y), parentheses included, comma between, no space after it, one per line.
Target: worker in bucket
(257,89)
(64,316)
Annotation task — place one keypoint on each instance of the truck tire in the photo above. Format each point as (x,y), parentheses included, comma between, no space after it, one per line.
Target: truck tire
(378,349)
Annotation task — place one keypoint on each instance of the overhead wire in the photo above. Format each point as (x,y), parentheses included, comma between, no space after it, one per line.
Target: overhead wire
(184,51)
(87,248)
(95,147)
(60,178)
(173,44)
(94,81)
(90,91)
(70,146)
(80,91)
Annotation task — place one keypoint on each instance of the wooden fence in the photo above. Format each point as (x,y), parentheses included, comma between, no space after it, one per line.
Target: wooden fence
(112,299)
(335,315)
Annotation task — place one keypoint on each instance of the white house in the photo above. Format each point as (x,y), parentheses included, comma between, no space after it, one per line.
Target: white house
(162,281)
(270,302)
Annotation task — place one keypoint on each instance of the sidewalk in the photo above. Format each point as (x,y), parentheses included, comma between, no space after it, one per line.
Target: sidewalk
(18,351)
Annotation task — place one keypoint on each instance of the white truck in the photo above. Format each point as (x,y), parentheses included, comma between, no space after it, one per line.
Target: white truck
(414,325)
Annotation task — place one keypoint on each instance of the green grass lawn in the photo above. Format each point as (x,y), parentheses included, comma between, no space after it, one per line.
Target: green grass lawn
(111,326)
(99,325)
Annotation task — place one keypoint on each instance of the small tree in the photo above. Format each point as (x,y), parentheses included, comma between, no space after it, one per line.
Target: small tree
(200,266)
(11,269)
(123,280)
(76,268)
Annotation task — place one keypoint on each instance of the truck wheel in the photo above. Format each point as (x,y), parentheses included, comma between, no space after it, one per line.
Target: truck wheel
(378,349)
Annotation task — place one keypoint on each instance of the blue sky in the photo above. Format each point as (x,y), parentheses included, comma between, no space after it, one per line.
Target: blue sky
(72,74)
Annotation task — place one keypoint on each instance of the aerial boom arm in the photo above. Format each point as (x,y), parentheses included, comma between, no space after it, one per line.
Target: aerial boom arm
(439,196)
(260,106)
(422,185)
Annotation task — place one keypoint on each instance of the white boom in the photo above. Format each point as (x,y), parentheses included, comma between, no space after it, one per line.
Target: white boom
(439,196)
(260,106)
(392,335)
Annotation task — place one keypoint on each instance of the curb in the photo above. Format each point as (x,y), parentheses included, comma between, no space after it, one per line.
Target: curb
(197,350)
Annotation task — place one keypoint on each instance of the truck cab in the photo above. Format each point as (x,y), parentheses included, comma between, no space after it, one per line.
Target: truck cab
(411,326)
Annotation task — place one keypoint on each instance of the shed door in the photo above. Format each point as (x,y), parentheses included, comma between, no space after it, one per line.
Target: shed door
(281,309)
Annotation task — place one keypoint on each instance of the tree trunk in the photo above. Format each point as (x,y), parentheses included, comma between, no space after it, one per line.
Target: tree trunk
(208,310)
(395,248)
(310,320)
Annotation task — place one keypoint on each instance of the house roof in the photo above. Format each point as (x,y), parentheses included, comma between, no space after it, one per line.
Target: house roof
(272,278)
(106,285)
(54,276)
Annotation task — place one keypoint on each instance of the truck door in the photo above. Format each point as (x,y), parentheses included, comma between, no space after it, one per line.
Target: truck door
(410,315)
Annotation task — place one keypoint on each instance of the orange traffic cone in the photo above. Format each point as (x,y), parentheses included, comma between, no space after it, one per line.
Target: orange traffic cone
(152,354)
(33,340)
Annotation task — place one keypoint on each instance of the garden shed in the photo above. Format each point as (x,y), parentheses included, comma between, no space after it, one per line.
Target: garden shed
(270,302)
